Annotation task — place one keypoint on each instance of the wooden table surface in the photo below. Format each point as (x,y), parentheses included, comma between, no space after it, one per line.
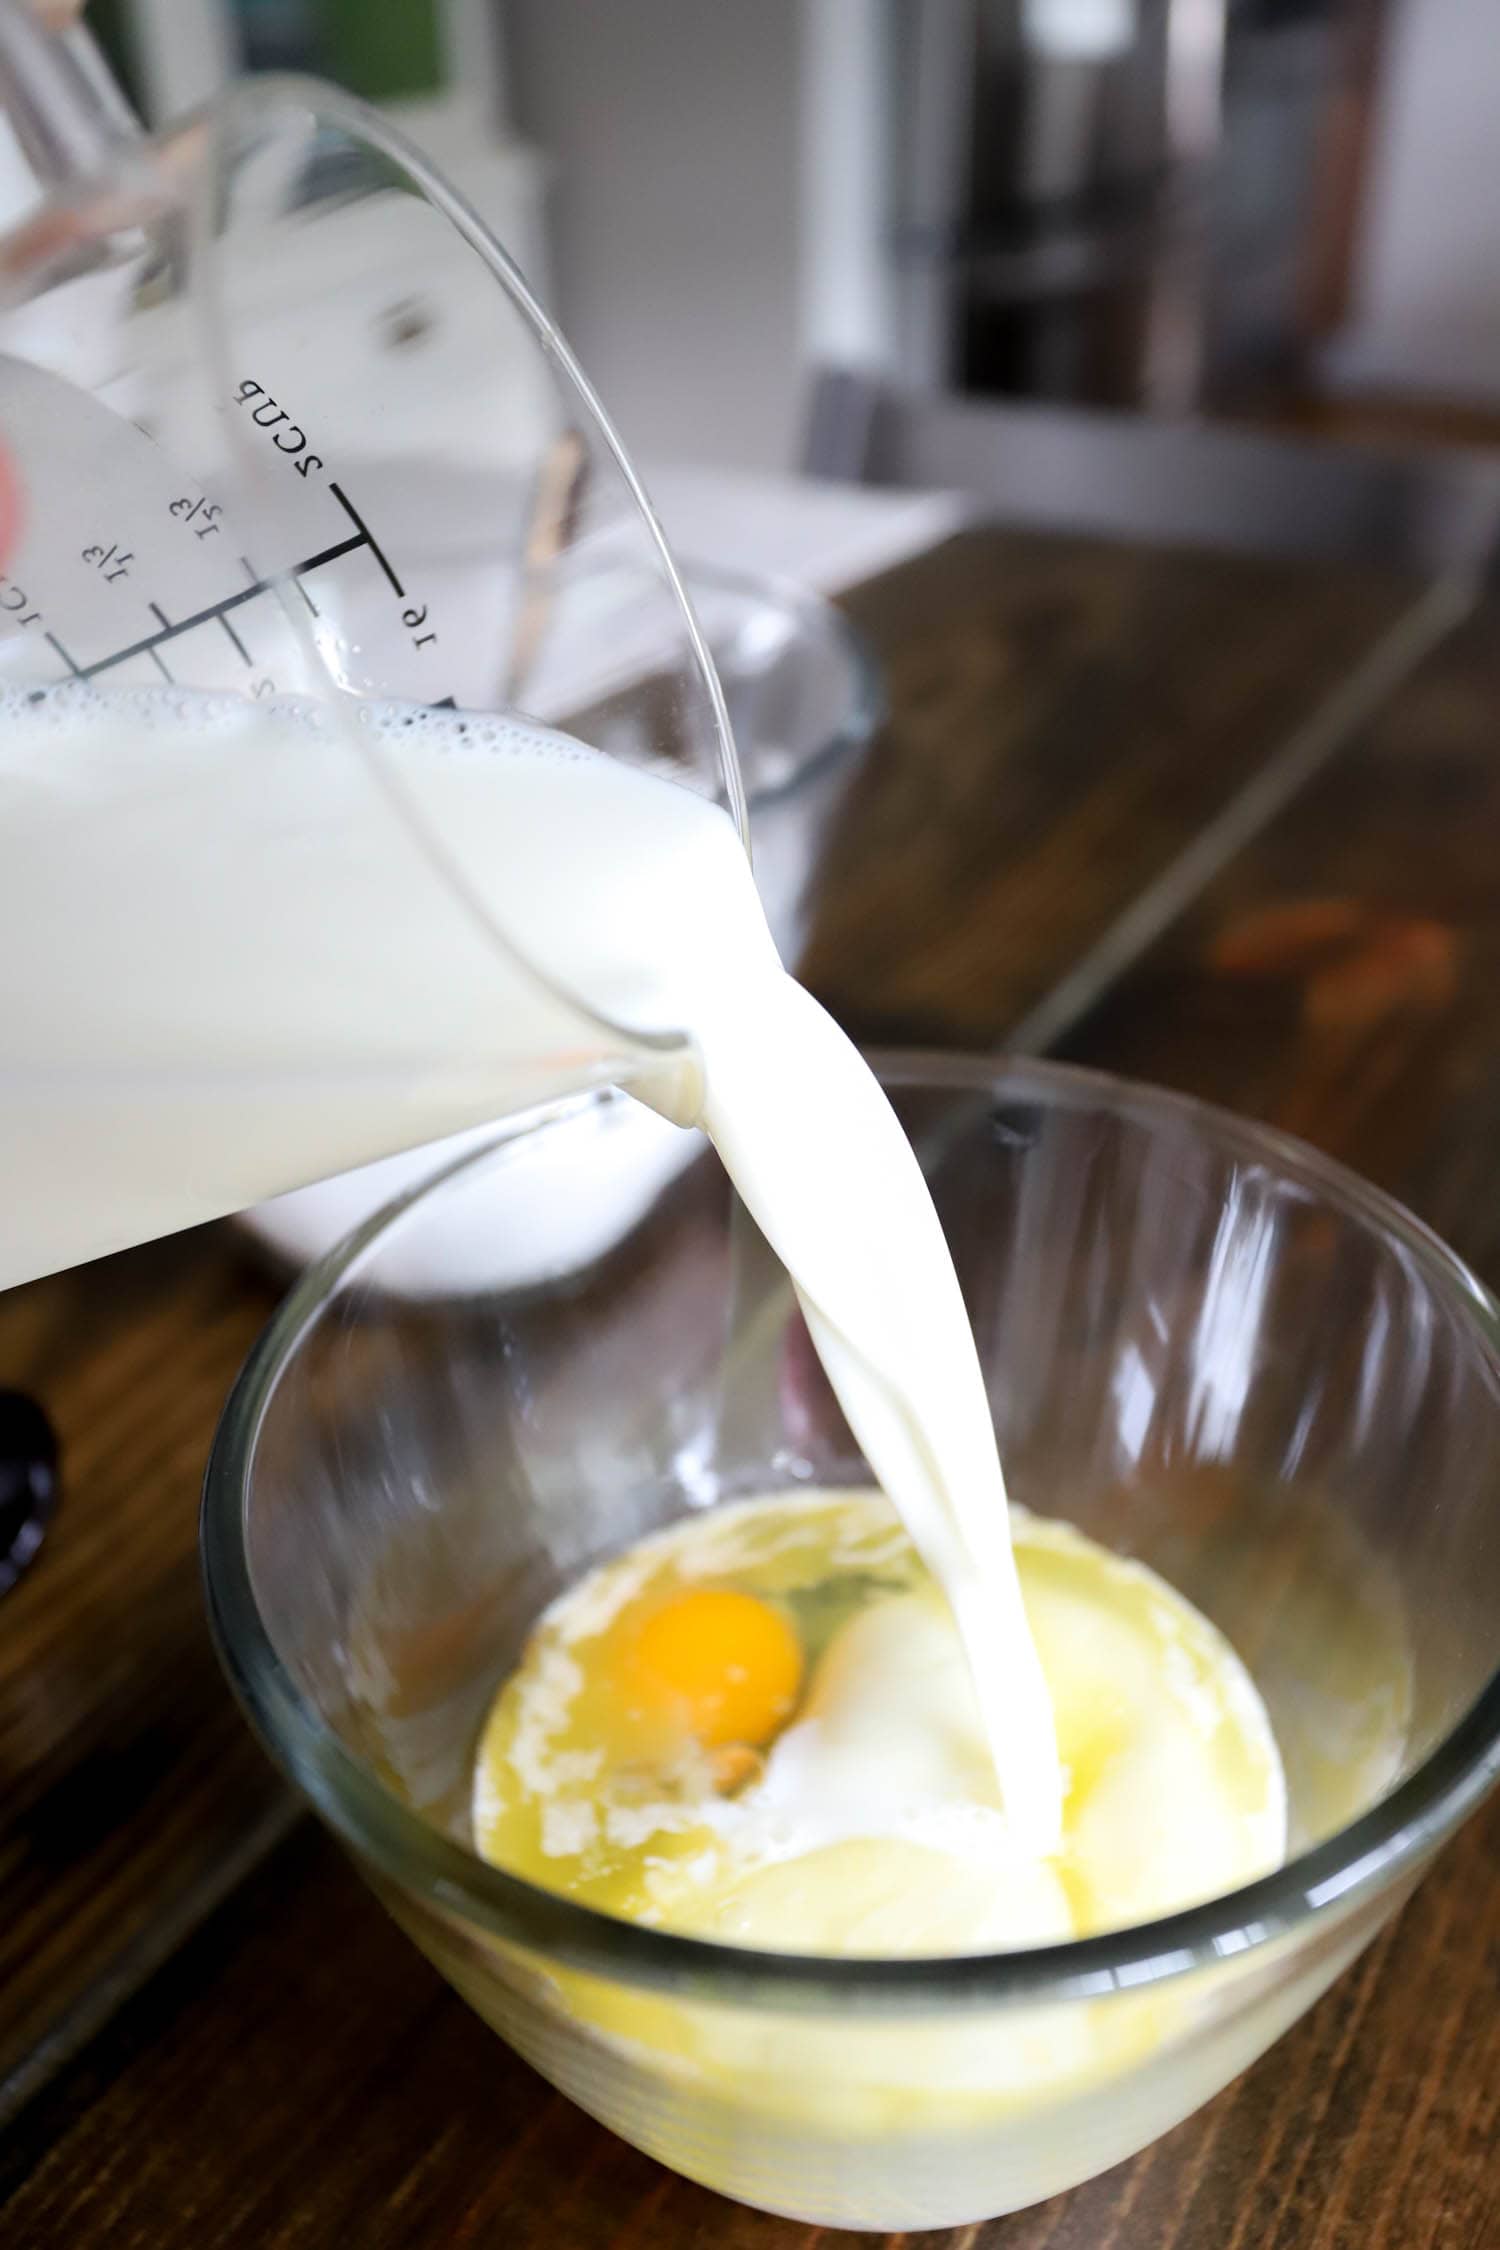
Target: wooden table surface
(1228,824)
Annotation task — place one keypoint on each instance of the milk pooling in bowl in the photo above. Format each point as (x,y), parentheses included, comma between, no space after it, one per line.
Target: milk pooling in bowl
(758,1725)
(230,976)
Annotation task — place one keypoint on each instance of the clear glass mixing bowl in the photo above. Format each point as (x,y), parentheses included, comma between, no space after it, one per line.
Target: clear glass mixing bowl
(1207,1346)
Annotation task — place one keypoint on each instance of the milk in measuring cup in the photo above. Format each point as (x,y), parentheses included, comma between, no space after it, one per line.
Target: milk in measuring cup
(232,970)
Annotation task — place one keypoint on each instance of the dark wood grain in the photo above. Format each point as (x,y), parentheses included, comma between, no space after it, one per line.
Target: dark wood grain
(126,1776)
(1064,717)
(1342,978)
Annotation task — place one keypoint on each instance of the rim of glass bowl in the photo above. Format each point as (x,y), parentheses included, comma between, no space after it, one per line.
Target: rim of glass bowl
(1344,1869)
(863,706)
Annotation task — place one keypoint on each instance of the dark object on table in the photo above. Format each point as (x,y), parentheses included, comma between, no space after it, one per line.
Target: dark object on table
(28,1482)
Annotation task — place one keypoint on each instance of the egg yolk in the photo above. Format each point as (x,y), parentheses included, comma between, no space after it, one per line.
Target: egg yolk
(718,1665)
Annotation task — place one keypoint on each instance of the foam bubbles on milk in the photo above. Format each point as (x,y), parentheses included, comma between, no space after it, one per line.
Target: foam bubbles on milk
(77,707)
(448,734)
(62,715)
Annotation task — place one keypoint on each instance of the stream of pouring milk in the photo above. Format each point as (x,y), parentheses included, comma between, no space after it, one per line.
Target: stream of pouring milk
(225,973)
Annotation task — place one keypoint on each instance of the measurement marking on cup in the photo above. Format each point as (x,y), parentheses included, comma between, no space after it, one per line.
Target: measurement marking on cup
(367,535)
(216,611)
(62,652)
(249,570)
(156,657)
(245,656)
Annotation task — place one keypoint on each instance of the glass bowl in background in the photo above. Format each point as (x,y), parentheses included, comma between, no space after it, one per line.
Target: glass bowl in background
(804,700)
(1206,1346)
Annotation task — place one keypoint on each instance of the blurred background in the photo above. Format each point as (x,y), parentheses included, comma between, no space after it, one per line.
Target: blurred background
(1276,210)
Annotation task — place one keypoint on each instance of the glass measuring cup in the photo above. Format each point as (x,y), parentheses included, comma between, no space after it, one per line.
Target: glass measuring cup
(287,422)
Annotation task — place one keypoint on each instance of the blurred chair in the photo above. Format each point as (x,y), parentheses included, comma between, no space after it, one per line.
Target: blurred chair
(1187,483)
